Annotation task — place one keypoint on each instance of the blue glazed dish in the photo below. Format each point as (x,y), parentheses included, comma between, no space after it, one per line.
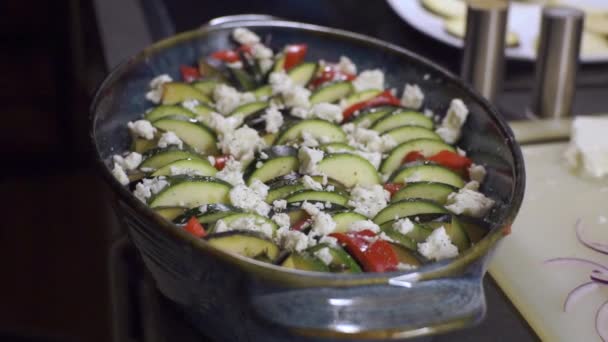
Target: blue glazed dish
(232,298)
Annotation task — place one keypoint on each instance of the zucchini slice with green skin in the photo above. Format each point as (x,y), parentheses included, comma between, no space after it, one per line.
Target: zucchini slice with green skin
(206,86)
(318,196)
(341,261)
(455,231)
(273,168)
(201,166)
(170,213)
(344,219)
(198,136)
(332,147)
(426,147)
(302,73)
(283,186)
(319,129)
(168,110)
(242,79)
(433,191)
(249,109)
(263,92)
(361,96)
(419,233)
(209,71)
(245,243)
(406,256)
(213,212)
(408,208)
(141,145)
(177,92)
(255,217)
(349,169)
(191,192)
(159,157)
(402,118)
(427,173)
(373,114)
(406,133)
(202,110)
(279,63)
(305,262)
(331,92)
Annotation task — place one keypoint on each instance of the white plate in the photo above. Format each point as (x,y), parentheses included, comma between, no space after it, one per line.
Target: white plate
(524,19)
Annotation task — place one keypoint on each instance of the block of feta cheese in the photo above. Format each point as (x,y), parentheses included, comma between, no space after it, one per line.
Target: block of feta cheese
(588,149)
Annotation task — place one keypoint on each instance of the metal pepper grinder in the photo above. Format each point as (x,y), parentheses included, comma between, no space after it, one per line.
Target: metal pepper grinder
(556,62)
(484,45)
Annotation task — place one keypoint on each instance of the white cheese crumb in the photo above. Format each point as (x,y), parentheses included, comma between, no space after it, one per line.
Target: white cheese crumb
(282,220)
(241,143)
(221,124)
(368,140)
(330,240)
(477,173)
(260,188)
(148,187)
(130,162)
(327,111)
(293,95)
(324,255)
(245,36)
(142,129)
(346,66)
(259,164)
(369,79)
(309,158)
(176,170)
(274,119)
(245,223)
(311,184)
(469,202)
(119,173)
(472,185)
(249,199)
(260,51)
(588,149)
(428,113)
(232,172)
(211,160)
(279,204)
(403,226)
(461,152)
(170,138)
(308,139)
(368,200)
(292,240)
(265,66)
(412,96)
(263,155)
(322,224)
(451,125)
(358,226)
(190,105)
(235,65)
(156,88)
(228,98)
(438,246)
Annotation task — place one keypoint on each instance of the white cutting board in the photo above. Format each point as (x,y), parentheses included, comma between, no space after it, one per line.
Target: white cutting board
(544,229)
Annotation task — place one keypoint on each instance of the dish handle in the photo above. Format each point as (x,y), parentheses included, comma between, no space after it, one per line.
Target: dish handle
(398,309)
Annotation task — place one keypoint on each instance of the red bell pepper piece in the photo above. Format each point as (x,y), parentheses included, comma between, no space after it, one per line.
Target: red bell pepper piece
(220,161)
(301,224)
(329,73)
(189,73)
(227,56)
(195,228)
(384,98)
(412,156)
(451,160)
(374,256)
(294,54)
(393,187)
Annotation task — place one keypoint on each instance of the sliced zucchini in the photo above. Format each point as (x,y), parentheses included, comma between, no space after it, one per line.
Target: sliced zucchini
(305,262)
(168,110)
(473,228)
(157,158)
(245,243)
(341,262)
(427,173)
(455,231)
(201,166)
(282,188)
(433,191)
(302,73)
(336,147)
(273,168)
(361,96)
(177,92)
(418,234)
(209,71)
(206,86)
(319,129)
(202,110)
(243,79)
(249,109)
(191,192)
(331,92)
(407,133)
(257,218)
(198,136)
(141,145)
(402,118)
(408,208)
(373,114)
(212,213)
(427,147)
(317,196)
(170,213)
(263,92)
(349,169)
(406,256)
(344,219)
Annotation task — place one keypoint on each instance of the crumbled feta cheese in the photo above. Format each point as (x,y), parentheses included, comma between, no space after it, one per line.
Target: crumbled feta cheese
(310,209)
(245,36)
(263,155)
(130,162)
(368,140)
(142,129)
(327,111)
(211,160)
(369,79)
(293,95)
(438,246)
(346,66)
(330,188)
(148,187)
(383,236)
(282,220)
(279,205)
(374,158)
(469,202)
(221,124)
(235,65)
(358,226)
(259,164)
(308,139)
(249,199)
(232,172)
(274,119)
(428,113)
(245,223)
(311,184)
(260,188)
(156,88)
(190,105)
(280,82)
(472,185)
(228,98)
(265,64)
(368,200)
(241,143)
(588,149)
(414,177)
(412,96)
(461,152)
(330,240)
(309,158)
(451,124)
(260,51)
(170,138)
(403,226)
(119,173)
(292,240)
(322,224)
(202,209)
(477,173)
(324,255)
(176,170)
